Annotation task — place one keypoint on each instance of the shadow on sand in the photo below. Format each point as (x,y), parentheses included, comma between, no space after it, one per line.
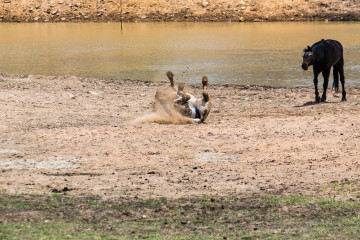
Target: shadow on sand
(307,104)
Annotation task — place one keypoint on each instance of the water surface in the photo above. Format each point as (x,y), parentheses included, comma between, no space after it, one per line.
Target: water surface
(234,53)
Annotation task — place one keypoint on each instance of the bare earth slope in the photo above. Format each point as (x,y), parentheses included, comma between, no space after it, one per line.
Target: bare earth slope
(177,10)
(78,135)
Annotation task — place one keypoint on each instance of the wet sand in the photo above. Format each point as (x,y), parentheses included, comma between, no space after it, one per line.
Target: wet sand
(78,135)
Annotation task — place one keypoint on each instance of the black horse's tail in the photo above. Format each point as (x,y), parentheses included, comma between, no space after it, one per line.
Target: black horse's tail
(336,70)
(336,79)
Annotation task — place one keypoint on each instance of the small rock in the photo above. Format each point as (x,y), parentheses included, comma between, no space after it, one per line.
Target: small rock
(143,17)
(54,12)
(242,19)
(205,4)
(37,6)
(54,190)
(36,19)
(103,10)
(93,93)
(63,19)
(68,94)
(285,209)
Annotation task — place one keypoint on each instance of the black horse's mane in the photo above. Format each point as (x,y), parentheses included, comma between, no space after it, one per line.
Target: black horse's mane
(307,50)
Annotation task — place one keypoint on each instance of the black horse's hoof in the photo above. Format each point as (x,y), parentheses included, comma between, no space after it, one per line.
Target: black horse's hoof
(323,99)
(344,99)
(317,99)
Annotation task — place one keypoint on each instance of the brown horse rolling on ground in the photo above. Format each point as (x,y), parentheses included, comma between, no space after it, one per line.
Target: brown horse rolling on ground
(185,104)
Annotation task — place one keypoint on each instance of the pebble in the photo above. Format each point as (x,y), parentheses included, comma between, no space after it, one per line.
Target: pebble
(93,93)
(205,4)
(69,95)
(285,209)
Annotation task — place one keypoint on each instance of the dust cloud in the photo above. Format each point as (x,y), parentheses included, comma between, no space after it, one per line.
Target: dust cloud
(164,110)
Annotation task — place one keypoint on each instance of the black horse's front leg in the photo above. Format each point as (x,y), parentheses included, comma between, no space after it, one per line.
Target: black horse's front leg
(326,75)
(317,97)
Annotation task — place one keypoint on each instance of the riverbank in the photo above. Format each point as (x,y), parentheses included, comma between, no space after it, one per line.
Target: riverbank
(177,10)
(78,135)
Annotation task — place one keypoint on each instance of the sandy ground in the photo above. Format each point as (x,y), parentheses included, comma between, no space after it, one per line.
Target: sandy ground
(78,135)
(177,10)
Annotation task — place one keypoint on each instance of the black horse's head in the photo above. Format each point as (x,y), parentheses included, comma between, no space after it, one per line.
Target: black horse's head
(307,58)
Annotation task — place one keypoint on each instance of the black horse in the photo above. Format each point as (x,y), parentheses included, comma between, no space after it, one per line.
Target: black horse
(323,55)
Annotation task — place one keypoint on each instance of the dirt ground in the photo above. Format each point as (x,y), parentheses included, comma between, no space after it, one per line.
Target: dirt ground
(177,10)
(79,135)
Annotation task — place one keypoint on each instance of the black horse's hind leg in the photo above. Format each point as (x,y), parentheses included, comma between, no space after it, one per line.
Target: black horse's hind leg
(326,74)
(342,78)
(317,97)
(336,78)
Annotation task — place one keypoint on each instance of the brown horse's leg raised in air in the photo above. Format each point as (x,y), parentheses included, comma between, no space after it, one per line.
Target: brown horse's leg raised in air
(170,75)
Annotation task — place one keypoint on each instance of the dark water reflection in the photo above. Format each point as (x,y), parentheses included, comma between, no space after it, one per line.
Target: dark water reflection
(240,53)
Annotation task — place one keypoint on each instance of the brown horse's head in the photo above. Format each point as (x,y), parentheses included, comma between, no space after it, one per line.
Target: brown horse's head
(307,58)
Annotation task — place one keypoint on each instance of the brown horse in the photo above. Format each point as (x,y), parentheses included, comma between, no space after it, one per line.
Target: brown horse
(175,98)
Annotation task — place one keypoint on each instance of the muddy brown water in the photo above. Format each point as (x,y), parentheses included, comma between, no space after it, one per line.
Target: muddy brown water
(233,53)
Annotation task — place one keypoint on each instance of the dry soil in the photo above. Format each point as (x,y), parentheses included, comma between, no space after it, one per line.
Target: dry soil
(79,135)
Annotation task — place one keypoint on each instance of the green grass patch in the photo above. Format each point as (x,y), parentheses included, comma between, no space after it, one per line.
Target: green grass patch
(60,216)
